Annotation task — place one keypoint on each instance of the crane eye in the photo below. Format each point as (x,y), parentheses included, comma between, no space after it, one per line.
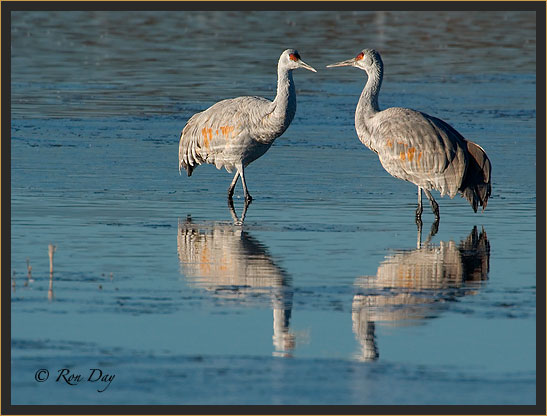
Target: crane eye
(294,57)
(360,56)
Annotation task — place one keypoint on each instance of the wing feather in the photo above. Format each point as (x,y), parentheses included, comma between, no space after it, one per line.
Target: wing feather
(416,147)
(209,135)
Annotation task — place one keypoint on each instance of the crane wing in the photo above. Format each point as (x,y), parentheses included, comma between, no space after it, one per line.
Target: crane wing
(208,136)
(424,150)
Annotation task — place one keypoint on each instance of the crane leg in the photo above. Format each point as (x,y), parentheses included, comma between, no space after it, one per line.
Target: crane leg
(434,228)
(232,186)
(434,205)
(419,224)
(238,221)
(432,232)
(245,206)
(233,211)
(420,208)
(248,197)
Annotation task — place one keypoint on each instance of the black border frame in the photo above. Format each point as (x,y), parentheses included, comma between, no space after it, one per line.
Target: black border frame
(8,6)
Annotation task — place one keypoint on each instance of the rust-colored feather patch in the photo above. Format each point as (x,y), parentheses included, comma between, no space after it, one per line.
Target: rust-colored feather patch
(294,57)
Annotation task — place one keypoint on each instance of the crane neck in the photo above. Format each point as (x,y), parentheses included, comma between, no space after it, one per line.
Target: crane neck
(284,104)
(368,102)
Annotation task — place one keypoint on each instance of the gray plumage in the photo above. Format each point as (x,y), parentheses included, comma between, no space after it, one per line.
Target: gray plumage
(233,133)
(417,147)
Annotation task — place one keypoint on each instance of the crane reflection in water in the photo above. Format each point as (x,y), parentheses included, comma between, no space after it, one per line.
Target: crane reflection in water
(229,263)
(412,285)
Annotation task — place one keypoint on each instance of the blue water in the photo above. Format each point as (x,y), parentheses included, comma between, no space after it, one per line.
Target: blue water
(323,295)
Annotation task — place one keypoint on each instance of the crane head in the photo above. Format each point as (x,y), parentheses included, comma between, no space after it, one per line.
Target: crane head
(365,60)
(291,59)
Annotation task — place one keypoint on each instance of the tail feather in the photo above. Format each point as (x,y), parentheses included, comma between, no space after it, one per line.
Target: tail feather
(183,158)
(189,169)
(476,186)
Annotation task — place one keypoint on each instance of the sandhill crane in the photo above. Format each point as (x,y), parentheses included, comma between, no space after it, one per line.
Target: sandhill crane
(417,147)
(233,133)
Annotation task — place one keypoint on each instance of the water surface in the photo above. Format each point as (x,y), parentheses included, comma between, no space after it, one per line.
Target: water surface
(327,294)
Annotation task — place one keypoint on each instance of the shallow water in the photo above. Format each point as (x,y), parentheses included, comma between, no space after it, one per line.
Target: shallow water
(323,295)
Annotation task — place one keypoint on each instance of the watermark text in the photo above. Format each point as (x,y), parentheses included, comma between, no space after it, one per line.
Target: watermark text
(72,378)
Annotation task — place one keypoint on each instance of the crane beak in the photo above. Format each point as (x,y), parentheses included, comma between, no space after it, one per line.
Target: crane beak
(306,66)
(349,62)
